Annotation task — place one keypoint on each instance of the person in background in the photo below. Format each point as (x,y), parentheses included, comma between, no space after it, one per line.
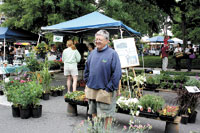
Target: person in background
(178,49)
(102,75)
(91,47)
(71,57)
(164,53)
(11,54)
(189,60)
(54,51)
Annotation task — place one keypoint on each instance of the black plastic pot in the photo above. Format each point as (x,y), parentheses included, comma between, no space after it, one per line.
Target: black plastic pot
(15,111)
(192,117)
(45,96)
(25,113)
(37,111)
(60,92)
(148,114)
(120,110)
(54,93)
(167,118)
(184,119)
(1,92)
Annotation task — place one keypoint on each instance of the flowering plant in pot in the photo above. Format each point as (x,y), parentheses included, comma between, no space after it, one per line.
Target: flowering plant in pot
(77,97)
(168,112)
(130,105)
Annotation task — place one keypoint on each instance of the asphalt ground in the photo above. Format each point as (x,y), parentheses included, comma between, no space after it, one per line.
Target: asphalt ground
(55,120)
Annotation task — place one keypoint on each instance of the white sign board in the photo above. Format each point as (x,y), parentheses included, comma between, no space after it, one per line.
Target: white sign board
(127,52)
(57,38)
(192,89)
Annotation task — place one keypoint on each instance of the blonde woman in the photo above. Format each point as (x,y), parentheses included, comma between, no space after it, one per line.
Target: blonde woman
(71,57)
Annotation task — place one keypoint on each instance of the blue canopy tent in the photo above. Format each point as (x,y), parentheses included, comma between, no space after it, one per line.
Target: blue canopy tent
(90,24)
(159,39)
(7,34)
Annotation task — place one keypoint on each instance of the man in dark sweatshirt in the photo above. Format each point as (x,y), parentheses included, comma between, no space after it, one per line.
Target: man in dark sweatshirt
(102,75)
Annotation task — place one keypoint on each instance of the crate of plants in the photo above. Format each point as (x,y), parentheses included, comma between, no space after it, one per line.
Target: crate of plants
(168,113)
(152,82)
(150,105)
(76,97)
(125,105)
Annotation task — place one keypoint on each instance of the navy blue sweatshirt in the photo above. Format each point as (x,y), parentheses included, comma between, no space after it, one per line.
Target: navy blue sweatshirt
(103,70)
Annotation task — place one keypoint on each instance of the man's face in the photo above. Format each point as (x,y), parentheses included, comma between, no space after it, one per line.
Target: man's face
(100,42)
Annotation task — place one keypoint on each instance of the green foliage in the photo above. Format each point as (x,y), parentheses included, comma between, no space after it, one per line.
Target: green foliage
(32,63)
(154,102)
(182,77)
(74,95)
(23,93)
(193,82)
(144,17)
(45,77)
(33,14)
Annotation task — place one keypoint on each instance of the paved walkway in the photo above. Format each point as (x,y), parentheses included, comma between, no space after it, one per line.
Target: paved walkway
(54,118)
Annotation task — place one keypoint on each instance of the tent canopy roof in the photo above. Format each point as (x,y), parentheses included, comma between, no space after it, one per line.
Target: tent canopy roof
(177,40)
(16,34)
(159,39)
(91,23)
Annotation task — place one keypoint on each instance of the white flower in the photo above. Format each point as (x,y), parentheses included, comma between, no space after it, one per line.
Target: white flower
(135,100)
(7,80)
(137,113)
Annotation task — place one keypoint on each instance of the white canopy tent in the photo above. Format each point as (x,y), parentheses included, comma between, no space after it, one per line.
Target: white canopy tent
(177,40)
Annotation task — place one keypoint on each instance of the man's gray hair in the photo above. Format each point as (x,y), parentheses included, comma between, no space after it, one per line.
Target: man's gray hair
(103,33)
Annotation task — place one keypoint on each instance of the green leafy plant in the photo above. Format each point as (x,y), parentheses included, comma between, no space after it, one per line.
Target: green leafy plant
(76,95)
(151,101)
(32,63)
(193,82)
(35,92)
(45,77)
(181,78)
(150,80)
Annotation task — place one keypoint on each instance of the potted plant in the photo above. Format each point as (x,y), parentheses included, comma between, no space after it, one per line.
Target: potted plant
(182,78)
(24,99)
(12,96)
(187,101)
(76,97)
(152,82)
(36,92)
(127,105)
(32,63)
(54,91)
(60,90)
(45,80)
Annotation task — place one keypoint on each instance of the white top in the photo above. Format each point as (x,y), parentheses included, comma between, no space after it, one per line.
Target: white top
(178,49)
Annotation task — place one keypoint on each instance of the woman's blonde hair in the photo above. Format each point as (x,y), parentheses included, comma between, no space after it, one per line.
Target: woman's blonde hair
(70,43)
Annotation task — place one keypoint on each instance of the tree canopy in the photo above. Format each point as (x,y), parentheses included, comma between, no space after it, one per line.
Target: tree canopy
(145,16)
